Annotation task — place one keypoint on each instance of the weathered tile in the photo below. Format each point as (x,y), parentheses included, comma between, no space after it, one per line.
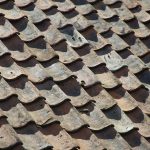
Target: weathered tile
(116,42)
(58,137)
(140,120)
(124,100)
(6,29)
(24,89)
(68,116)
(41,49)
(51,33)
(44,4)
(3,49)
(86,139)
(34,70)
(89,57)
(40,112)
(93,116)
(135,140)
(64,5)
(103,10)
(144,77)
(32,138)
(8,137)
(100,96)
(57,70)
(95,40)
(111,139)
(106,78)
(11,11)
(128,80)
(145,4)
(16,113)
(83,7)
(84,75)
(65,52)
(142,96)
(111,58)
(119,119)
(77,20)
(27,31)
(18,49)
(122,11)
(118,26)
(34,14)
(130,3)
(5,89)
(73,37)
(75,92)
(138,27)
(24,3)
(51,92)
(137,47)
(133,62)
(9,69)
(100,25)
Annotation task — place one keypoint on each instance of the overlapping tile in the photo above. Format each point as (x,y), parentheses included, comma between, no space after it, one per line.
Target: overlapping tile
(74,74)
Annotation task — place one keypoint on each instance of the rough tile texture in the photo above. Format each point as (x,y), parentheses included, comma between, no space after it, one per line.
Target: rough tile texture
(75,74)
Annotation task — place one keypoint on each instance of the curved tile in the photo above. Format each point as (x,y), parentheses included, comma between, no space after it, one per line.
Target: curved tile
(84,75)
(9,69)
(89,57)
(6,29)
(24,89)
(122,11)
(111,139)
(34,70)
(40,112)
(34,14)
(11,11)
(68,116)
(73,37)
(24,3)
(142,96)
(5,89)
(32,138)
(3,49)
(103,10)
(139,141)
(130,3)
(57,70)
(83,7)
(64,6)
(8,137)
(112,59)
(27,31)
(44,4)
(100,96)
(51,92)
(139,28)
(128,80)
(17,115)
(107,79)
(86,139)
(100,25)
(41,49)
(58,137)
(116,42)
(93,116)
(65,52)
(140,120)
(119,119)
(75,92)
(18,49)
(124,100)
(95,40)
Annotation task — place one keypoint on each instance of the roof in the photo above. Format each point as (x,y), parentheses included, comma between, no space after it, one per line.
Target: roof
(75,74)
